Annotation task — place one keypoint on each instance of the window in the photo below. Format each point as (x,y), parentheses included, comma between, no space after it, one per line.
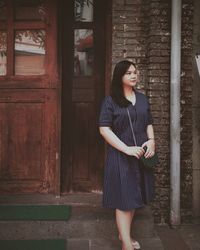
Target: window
(3,50)
(23,37)
(83,10)
(83,38)
(83,52)
(29,10)
(3,39)
(29,52)
(3,10)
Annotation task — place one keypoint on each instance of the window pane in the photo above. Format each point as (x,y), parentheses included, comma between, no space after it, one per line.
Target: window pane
(83,10)
(29,9)
(3,49)
(83,52)
(30,52)
(2,10)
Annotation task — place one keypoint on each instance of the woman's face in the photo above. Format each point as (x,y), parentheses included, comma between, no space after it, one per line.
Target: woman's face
(130,77)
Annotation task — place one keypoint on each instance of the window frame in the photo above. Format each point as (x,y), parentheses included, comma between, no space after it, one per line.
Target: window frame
(84,25)
(50,78)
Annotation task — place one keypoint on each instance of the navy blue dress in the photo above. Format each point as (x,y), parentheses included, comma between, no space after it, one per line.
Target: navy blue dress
(127,185)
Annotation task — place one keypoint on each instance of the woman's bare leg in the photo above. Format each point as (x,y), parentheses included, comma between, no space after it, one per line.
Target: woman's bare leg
(132,215)
(123,220)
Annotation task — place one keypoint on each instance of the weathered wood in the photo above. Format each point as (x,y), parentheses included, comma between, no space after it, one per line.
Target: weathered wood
(82,154)
(50,77)
(28,141)
(10,39)
(31,104)
(30,116)
(29,25)
(28,82)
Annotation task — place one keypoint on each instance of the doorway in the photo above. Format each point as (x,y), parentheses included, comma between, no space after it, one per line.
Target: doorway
(84,35)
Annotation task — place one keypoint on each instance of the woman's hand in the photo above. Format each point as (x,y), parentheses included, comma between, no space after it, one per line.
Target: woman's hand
(134,151)
(150,144)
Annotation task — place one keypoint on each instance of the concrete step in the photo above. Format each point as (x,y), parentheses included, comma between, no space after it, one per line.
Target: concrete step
(90,226)
(86,222)
(96,221)
(105,244)
(97,230)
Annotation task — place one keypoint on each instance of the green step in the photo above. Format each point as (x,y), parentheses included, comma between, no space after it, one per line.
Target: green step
(35,212)
(33,244)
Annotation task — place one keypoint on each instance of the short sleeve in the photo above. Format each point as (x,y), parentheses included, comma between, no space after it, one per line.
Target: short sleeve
(106,113)
(149,118)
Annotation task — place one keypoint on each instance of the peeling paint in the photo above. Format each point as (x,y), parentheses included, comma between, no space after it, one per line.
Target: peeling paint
(97,191)
(182,73)
(122,16)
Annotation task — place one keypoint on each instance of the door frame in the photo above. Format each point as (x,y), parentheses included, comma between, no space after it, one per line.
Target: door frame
(61,63)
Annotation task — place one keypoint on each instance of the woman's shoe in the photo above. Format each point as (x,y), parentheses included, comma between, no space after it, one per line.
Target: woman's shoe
(136,244)
(129,248)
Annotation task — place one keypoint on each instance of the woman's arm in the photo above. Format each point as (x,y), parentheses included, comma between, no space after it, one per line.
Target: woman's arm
(114,141)
(150,144)
(150,132)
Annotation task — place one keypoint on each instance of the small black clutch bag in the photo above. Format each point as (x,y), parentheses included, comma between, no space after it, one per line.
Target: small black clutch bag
(146,162)
(149,162)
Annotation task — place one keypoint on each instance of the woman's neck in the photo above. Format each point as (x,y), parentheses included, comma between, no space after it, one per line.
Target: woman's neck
(128,92)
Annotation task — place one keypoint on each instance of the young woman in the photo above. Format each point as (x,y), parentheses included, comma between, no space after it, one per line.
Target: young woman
(127,185)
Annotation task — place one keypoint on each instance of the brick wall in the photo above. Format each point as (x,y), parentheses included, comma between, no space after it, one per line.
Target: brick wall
(186,111)
(158,91)
(196,112)
(141,32)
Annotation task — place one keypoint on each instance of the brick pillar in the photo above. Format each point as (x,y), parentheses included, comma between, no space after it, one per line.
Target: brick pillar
(129,34)
(158,91)
(186,111)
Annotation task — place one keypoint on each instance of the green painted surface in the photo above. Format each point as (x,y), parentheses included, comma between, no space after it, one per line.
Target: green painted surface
(33,244)
(35,212)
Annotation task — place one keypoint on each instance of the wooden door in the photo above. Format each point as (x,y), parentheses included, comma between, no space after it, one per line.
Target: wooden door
(29,97)
(84,61)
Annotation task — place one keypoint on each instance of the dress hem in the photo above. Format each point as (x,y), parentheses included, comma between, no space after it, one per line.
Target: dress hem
(124,209)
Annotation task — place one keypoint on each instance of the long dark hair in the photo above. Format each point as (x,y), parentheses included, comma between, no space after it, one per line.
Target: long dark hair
(116,90)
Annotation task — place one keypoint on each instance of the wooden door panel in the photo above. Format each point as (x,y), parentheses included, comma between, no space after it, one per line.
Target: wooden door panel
(23,138)
(28,141)
(83,95)
(82,141)
(83,169)
(84,83)
(83,87)
(3,141)
(29,98)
